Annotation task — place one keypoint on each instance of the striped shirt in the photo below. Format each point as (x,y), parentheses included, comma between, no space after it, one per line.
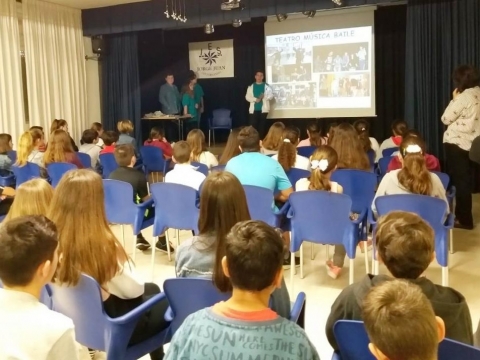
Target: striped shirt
(462,116)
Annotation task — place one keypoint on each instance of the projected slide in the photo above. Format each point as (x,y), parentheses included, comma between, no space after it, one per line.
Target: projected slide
(321,71)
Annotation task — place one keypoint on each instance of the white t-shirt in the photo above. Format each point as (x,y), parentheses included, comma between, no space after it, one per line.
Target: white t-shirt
(29,330)
(93,150)
(304,184)
(185,174)
(208,159)
(301,162)
(126,284)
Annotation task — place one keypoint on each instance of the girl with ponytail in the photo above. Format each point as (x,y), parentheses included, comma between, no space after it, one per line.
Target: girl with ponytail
(314,136)
(414,177)
(287,152)
(28,149)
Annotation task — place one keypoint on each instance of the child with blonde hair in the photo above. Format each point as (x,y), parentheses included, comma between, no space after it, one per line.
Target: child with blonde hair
(271,143)
(196,141)
(125,128)
(31,198)
(29,146)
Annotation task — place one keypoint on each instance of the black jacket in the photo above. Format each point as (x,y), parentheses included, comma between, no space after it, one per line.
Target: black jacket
(447,303)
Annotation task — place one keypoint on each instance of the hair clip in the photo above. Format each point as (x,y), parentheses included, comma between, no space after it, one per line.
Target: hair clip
(286,140)
(413,149)
(319,164)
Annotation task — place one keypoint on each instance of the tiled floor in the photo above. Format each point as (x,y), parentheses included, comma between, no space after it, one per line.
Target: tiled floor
(321,290)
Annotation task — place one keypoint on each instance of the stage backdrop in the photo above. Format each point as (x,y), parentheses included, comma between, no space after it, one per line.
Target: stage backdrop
(212,59)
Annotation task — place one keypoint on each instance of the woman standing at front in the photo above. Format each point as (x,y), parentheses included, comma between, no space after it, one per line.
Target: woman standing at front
(190,107)
(462,116)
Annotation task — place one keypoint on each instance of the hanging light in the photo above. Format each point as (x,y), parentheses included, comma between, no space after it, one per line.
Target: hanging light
(338,2)
(282,17)
(209,29)
(237,23)
(310,13)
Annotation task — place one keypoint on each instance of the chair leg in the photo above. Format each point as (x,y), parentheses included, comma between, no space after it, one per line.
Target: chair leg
(209,134)
(376,268)
(152,260)
(292,269)
(168,245)
(214,142)
(123,235)
(451,241)
(444,275)
(367,267)
(178,238)
(351,271)
(312,255)
(301,261)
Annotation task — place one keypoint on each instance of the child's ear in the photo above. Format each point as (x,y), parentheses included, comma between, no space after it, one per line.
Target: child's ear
(173,159)
(225,267)
(278,279)
(433,257)
(376,352)
(441,328)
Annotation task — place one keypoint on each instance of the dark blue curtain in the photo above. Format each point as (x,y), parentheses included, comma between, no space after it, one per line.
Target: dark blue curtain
(441,34)
(120,82)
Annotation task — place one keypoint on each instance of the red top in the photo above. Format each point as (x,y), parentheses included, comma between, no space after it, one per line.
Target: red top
(72,158)
(397,140)
(431,161)
(260,315)
(108,149)
(162,145)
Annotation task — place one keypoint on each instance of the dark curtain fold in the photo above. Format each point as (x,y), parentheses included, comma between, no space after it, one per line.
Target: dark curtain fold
(440,36)
(120,82)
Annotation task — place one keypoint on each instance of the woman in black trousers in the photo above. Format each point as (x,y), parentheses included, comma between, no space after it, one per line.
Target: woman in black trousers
(462,116)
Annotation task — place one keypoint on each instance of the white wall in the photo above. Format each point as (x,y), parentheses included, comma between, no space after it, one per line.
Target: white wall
(94,108)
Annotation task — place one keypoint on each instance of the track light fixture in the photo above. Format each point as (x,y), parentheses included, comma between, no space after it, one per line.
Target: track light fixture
(338,2)
(237,23)
(310,13)
(209,29)
(282,17)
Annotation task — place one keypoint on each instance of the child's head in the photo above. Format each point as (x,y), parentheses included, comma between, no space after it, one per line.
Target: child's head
(414,175)
(89,136)
(405,244)
(466,77)
(274,136)
(399,127)
(58,146)
(24,148)
(125,155)
(363,130)
(98,127)
(156,133)
(287,151)
(28,251)
(109,138)
(346,142)
(31,198)
(254,254)
(125,127)
(58,124)
(232,148)
(181,152)
(78,211)
(249,139)
(5,143)
(222,204)
(401,323)
(35,127)
(196,140)
(314,134)
(323,162)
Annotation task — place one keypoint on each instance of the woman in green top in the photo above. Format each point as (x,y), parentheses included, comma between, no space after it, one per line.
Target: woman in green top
(190,106)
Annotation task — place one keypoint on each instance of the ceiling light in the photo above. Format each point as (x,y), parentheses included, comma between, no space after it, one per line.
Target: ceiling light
(209,29)
(310,13)
(237,23)
(282,17)
(338,2)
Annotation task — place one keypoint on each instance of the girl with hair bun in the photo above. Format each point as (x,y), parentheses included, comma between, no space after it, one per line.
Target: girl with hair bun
(314,136)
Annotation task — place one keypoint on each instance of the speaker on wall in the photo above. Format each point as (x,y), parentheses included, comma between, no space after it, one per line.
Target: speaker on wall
(98,45)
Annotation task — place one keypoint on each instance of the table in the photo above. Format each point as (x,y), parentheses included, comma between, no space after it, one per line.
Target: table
(179,119)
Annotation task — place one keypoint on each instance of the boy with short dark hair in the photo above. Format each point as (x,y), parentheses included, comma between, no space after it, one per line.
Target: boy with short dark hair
(110,139)
(406,245)
(184,173)
(89,146)
(28,260)
(126,159)
(245,318)
(401,323)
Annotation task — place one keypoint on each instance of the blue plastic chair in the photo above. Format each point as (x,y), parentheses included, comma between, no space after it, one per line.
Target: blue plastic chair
(219,168)
(121,209)
(260,203)
(200,167)
(7,178)
(175,208)
(221,120)
(24,173)
(389,152)
(383,166)
(12,154)
(108,163)
(371,157)
(445,179)
(306,151)
(153,160)
(453,350)
(296,174)
(352,340)
(96,330)
(85,159)
(57,170)
(430,209)
(322,217)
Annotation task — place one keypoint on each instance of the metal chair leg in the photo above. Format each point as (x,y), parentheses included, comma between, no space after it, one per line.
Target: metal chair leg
(292,269)
(451,241)
(209,134)
(168,245)
(367,267)
(351,271)
(301,261)
(123,235)
(152,261)
(444,275)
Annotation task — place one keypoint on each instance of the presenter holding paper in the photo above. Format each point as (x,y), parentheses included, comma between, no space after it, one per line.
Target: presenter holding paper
(259,95)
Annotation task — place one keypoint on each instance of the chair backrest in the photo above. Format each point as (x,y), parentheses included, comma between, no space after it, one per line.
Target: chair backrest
(57,170)
(319,216)
(444,178)
(119,205)
(83,304)
(454,350)
(218,168)
(85,159)
(175,207)
(221,118)
(109,164)
(383,164)
(306,151)
(352,340)
(200,167)
(388,152)
(204,294)
(12,154)
(260,203)
(359,185)
(152,158)
(371,157)
(7,178)
(296,174)
(24,173)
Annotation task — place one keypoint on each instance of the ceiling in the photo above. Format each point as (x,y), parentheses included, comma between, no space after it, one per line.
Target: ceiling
(90,4)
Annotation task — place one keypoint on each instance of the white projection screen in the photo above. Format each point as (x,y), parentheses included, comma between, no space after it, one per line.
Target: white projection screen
(322,66)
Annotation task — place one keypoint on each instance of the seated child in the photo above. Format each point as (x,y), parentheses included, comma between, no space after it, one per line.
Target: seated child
(110,139)
(5,146)
(60,150)
(7,195)
(157,139)
(41,147)
(89,146)
(184,173)
(314,136)
(400,322)
(406,245)
(98,127)
(28,260)
(125,158)
(30,147)
(271,142)
(399,127)
(287,152)
(125,128)
(196,141)
(246,315)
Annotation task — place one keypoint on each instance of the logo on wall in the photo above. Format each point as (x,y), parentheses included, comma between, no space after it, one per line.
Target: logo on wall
(212,59)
